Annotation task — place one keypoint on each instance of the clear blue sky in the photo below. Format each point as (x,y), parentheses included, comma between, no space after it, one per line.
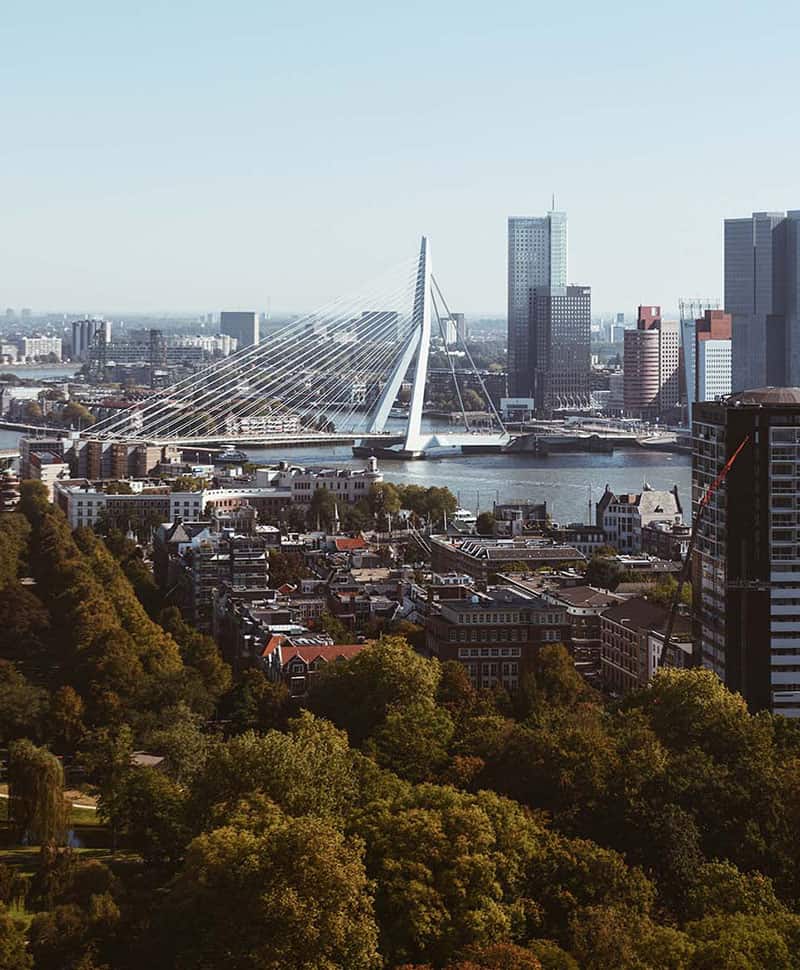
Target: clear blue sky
(206,155)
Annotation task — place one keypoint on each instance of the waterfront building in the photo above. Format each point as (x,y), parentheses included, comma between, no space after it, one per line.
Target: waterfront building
(746,562)
(348,485)
(651,367)
(762,294)
(537,256)
(30,349)
(243,325)
(560,339)
(623,517)
(496,635)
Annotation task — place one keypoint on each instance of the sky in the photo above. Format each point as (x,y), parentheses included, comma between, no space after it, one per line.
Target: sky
(173,156)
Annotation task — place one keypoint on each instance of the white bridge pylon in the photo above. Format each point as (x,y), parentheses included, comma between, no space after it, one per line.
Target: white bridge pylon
(314,378)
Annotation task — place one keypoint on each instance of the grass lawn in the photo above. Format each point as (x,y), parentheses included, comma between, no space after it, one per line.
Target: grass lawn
(25,858)
(77,816)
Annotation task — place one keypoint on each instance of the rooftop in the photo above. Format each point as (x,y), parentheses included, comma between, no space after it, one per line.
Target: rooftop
(785,396)
(585,596)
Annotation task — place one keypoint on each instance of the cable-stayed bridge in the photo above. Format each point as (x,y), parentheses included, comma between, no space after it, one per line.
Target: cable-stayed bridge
(332,376)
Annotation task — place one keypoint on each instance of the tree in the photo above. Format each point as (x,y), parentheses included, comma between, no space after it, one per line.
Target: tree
(25,623)
(308,771)
(36,806)
(335,629)
(32,411)
(603,572)
(75,413)
(472,400)
(107,756)
(414,739)
(21,704)
(13,947)
(286,568)
(358,693)
(485,524)
(257,704)
(149,812)
(188,483)
(322,509)
(65,718)
(295,890)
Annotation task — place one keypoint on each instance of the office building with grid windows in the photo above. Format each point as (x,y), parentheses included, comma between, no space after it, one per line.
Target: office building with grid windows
(746,563)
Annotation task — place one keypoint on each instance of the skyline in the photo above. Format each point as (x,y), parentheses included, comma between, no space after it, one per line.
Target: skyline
(153,161)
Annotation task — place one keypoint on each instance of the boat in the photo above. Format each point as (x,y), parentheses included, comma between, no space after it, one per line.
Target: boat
(232,456)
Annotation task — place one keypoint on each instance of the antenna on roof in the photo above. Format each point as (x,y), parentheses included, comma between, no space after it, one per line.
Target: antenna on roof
(553,203)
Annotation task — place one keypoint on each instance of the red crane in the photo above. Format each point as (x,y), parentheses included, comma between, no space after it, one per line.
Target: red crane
(687,562)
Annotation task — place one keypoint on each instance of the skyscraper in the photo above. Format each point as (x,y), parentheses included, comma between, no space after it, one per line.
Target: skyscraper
(651,365)
(240,324)
(762,293)
(561,320)
(746,562)
(537,256)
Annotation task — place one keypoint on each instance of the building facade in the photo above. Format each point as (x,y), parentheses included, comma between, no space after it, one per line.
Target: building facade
(495,636)
(84,334)
(746,562)
(632,643)
(651,365)
(713,356)
(560,337)
(537,256)
(762,294)
(242,325)
(623,517)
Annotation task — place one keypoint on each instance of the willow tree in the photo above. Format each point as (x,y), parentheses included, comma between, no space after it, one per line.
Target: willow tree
(36,808)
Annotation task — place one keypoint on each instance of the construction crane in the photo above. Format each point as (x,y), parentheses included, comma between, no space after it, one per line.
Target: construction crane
(687,562)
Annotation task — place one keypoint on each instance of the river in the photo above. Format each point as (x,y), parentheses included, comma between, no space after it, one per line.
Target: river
(569,483)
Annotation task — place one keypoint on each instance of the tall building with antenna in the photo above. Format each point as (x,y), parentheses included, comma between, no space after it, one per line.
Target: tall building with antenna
(549,322)
(537,256)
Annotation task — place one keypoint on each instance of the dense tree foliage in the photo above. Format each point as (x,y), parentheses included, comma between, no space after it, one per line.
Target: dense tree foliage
(404,819)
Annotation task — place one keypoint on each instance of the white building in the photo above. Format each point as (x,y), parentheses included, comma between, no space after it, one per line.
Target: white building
(30,348)
(713,369)
(48,468)
(622,517)
(347,484)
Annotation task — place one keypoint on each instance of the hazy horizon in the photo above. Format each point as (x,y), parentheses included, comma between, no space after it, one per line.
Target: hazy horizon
(249,157)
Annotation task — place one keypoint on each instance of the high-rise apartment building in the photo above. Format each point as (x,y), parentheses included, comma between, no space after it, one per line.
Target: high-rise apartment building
(746,563)
(560,334)
(712,356)
(651,365)
(537,256)
(762,294)
(243,325)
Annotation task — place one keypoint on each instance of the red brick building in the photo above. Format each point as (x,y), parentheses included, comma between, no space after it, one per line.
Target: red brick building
(495,635)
